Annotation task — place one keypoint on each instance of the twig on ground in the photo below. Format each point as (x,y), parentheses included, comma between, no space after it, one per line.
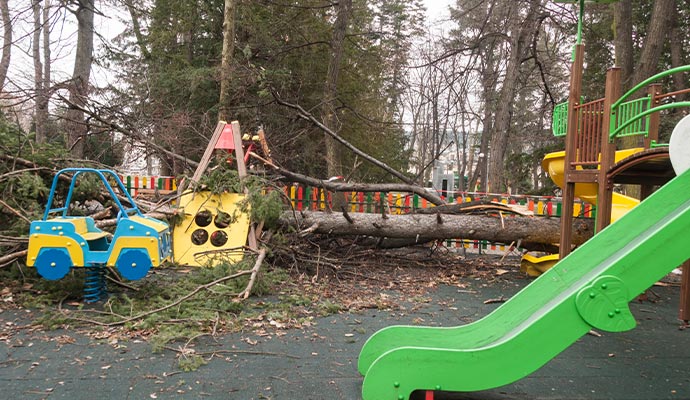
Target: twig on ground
(255,272)
(12,257)
(13,211)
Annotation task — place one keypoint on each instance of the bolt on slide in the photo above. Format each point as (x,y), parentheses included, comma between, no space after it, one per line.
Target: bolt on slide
(591,288)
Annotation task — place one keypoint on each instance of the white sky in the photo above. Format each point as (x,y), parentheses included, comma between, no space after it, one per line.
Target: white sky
(437,9)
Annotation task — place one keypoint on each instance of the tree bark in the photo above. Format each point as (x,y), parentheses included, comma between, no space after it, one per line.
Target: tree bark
(328,112)
(6,42)
(523,30)
(623,41)
(531,231)
(677,55)
(79,87)
(226,60)
(657,31)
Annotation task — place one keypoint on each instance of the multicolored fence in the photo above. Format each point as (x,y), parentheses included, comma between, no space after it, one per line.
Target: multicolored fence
(140,184)
(310,198)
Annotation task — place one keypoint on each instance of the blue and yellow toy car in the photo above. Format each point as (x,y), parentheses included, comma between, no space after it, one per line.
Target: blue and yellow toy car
(60,242)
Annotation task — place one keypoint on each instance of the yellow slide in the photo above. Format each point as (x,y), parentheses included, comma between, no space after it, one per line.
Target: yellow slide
(553,163)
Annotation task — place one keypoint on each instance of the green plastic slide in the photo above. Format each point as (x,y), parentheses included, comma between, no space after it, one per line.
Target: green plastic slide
(591,288)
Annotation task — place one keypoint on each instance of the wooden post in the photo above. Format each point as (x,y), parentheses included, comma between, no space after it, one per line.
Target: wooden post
(684,311)
(608,150)
(242,172)
(570,150)
(203,164)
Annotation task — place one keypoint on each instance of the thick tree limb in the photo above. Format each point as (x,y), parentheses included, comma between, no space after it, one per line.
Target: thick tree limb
(352,187)
(534,232)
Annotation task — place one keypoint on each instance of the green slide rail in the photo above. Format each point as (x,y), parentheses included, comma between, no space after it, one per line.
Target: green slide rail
(591,288)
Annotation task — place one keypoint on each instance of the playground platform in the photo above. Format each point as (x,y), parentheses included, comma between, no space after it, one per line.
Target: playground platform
(319,362)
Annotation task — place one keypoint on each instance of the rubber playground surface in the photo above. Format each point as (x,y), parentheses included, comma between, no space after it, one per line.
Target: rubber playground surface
(319,362)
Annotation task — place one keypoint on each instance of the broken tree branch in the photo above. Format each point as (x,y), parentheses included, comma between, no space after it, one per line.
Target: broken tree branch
(352,187)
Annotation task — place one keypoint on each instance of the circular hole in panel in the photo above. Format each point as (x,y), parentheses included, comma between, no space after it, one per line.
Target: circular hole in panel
(199,237)
(203,218)
(222,220)
(219,238)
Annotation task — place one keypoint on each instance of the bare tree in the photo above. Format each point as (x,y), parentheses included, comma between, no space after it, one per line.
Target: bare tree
(42,67)
(523,32)
(6,41)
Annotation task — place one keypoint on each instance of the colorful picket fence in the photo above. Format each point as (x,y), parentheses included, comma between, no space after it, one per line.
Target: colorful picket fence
(309,198)
(138,184)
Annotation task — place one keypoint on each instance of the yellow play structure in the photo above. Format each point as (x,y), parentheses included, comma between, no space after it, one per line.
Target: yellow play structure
(553,163)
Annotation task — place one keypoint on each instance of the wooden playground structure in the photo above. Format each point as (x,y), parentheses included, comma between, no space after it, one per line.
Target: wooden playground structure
(591,132)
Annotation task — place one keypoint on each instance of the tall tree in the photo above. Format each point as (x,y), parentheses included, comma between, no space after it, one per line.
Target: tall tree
(328,108)
(6,41)
(522,32)
(657,32)
(79,85)
(226,59)
(623,40)
(42,67)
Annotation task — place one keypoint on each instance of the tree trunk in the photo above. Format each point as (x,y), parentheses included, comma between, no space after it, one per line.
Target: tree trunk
(623,41)
(489,82)
(677,55)
(6,42)
(136,29)
(328,112)
(531,231)
(79,87)
(657,31)
(523,31)
(226,60)
(40,83)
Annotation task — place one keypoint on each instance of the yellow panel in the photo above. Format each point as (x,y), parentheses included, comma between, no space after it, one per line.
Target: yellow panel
(192,242)
(39,241)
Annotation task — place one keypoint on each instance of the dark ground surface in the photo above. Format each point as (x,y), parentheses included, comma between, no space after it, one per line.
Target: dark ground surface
(319,362)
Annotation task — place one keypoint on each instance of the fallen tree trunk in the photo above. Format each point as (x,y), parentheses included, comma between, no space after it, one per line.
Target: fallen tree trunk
(532,232)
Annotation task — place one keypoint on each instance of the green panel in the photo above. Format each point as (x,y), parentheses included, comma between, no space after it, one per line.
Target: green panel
(542,319)
(307,198)
(370,199)
(627,115)
(559,123)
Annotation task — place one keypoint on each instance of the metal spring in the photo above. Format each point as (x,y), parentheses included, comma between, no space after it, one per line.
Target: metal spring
(94,284)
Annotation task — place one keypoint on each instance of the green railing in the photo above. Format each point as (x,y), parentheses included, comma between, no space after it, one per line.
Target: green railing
(627,115)
(619,128)
(559,123)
